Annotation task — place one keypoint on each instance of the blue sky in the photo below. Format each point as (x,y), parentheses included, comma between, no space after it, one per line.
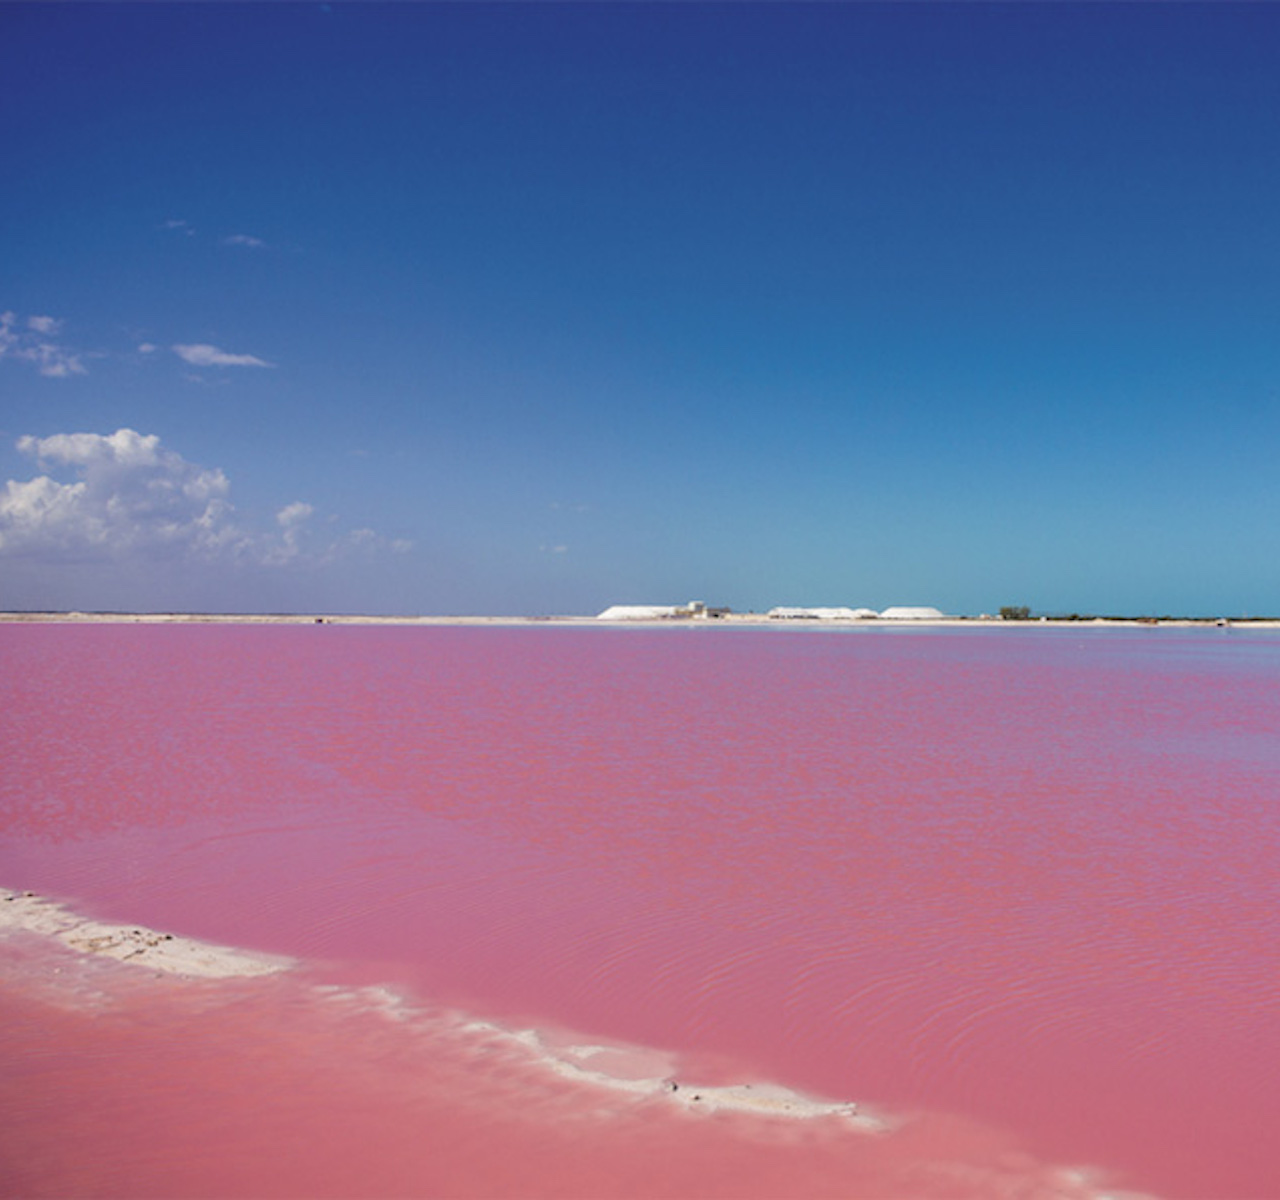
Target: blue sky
(539,308)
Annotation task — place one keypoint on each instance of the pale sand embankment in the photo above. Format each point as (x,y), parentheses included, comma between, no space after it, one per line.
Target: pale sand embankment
(29,913)
(635,1070)
(729,621)
(486,1061)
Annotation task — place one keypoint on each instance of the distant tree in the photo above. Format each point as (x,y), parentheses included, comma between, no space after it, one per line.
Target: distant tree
(1015,612)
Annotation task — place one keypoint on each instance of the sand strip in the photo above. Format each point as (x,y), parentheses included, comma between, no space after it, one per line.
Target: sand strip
(641,1071)
(132,944)
(635,1070)
(641,1074)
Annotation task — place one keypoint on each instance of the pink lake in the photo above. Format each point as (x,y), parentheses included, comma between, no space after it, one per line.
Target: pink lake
(1014,890)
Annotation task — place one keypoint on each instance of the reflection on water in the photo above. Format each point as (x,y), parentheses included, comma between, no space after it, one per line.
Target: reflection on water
(1025,879)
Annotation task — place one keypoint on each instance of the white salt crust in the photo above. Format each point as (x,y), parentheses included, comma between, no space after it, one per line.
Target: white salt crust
(131,943)
(636,1071)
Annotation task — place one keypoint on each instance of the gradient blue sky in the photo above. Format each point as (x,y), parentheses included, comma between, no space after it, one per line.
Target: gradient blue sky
(538,308)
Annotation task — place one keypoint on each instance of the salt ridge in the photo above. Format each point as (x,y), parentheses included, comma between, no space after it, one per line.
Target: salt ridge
(637,1071)
(131,943)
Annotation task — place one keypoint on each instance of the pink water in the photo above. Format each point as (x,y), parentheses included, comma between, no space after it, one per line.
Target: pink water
(1017,889)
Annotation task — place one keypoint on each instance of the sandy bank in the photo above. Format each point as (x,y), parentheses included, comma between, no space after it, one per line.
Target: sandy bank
(29,913)
(636,1071)
(729,621)
(510,1074)
(641,1071)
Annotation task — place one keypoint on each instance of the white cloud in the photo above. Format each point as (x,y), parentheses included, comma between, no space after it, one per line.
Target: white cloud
(55,362)
(124,447)
(201,354)
(32,341)
(243,239)
(130,497)
(147,348)
(292,520)
(362,542)
(179,225)
(294,514)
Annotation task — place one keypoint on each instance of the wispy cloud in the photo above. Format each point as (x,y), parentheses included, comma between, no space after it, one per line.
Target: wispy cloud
(35,341)
(292,519)
(129,497)
(201,354)
(243,239)
(178,226)
(294,514)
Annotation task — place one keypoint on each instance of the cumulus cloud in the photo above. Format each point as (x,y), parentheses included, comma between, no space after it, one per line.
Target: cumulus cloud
(124,447)
(34,341)
(130,496)
(243,239)
(201,354)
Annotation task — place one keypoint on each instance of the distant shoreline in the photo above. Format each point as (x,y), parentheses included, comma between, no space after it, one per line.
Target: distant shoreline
(730,620)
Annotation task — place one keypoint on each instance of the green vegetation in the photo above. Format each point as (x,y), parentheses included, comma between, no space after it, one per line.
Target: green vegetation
(1015,612)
